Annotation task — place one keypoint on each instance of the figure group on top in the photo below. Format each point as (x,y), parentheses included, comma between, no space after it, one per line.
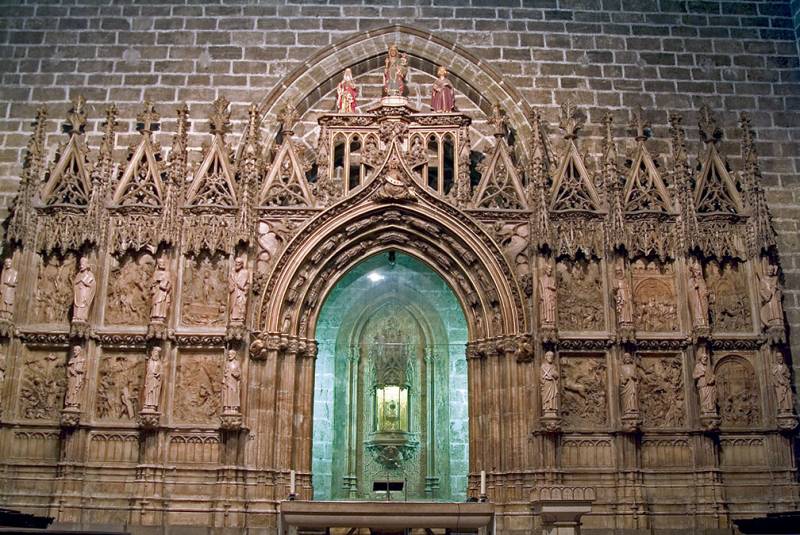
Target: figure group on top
(394,84)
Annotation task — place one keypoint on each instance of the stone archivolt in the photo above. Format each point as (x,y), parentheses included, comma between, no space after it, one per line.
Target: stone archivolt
(620,238)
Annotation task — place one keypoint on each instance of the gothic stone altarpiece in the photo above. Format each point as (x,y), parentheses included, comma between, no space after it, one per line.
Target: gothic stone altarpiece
(626,336)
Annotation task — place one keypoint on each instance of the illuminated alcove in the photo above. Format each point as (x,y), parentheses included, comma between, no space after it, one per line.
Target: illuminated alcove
(390,385)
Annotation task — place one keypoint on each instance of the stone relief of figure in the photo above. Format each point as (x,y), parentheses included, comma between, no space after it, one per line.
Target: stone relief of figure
(8,290)
(781,381)
(770,291)
(623,301)
(394,73)
(547,295)
(161,291)
(706,382)
(548,382)
(629,385)
(698,295)
(76,372)
(346,93)
(152,380)
(443,96)
(238,288)
(83,287)
(231,383)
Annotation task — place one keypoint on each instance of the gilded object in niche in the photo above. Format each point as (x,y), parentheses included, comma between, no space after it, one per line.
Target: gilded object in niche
(730,308)
(547,295)
(738,393)
(128,289)
(54,289)
(197,391)
(76,374)
(346,93)
(548,384)
(238,289)
(706,383)
(205,292)
(42,389)
(118,387)
(8,290)
(782,384)
(394,73)
(698,295)
(580,296)
(661,385)
(152,380)
(160,291)
(771,295)
(583,401)
(443,96)
(231,383)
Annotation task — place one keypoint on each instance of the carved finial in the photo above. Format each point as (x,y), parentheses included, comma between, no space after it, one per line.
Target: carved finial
(36,142)
(749,153)
(288,117)
(571,120)
(253,135)
(608,134)
(709,130)
(106,160)
(678,136)
(76,117)
(498,121)
(148,119)
(640,125)
(220,117)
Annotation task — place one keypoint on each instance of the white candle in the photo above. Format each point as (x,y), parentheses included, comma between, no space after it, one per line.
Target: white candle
(483,482)
(291,482)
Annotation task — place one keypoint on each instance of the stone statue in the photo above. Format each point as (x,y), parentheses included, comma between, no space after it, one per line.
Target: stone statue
(770,291)
(443,96)
(8,290)
(161,291)
(623,302)
(76,372)
(231,383)
(698,295)
(238,288)
(394,73)
(629,385)
(781,381)
(346,93)
(548,383)
(83,288)
(152,380)
(547,296)
(706,383)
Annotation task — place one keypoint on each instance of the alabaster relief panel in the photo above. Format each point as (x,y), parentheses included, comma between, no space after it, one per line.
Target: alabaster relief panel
(114,447)
(661,396)
(730,298)
(654,299)
(583,397)
(582,452)
(53,294)
(665,452)
(119,383)
(205,290)
(43,383)
(737,392)
(580,295)
(129,279)
(197,388)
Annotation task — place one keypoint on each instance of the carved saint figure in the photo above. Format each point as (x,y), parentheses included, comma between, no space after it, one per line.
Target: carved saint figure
(443,96)
(706,382)
(629,385)
(771,296)
(83,288)
(152,380)
(394,73)
(161,291)
(238,287)
(231,383)
(623,302)
(8,290)
(76,372)
(781,381)
(346,93)
(698,295)
(548,383)
(547,296)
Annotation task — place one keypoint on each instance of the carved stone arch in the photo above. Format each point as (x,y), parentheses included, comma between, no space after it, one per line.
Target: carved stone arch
(364,51)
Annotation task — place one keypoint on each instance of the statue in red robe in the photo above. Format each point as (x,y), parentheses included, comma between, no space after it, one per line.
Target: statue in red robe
(443,96)
(346,93)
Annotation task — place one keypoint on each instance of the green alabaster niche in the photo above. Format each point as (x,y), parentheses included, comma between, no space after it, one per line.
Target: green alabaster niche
(390,385)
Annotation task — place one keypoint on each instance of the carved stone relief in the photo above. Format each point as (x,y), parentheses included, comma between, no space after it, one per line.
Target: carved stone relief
(272,237)
(198,387)
(205,290)
(128,289)
(119,383)
(654,302)
(737,392)
(53,296)
(661,397)
(514,239)
(730,306)
(584,391)
(43,384)
(580,295)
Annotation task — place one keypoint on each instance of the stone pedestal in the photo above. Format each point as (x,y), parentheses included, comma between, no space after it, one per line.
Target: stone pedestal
(560,508)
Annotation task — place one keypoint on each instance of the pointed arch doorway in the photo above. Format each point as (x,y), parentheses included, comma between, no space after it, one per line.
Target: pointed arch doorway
(390,385)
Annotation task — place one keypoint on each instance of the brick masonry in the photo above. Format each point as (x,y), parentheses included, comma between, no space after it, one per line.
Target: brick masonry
(662,54)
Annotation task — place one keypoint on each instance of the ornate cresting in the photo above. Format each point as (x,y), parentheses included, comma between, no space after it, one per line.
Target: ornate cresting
(624,313)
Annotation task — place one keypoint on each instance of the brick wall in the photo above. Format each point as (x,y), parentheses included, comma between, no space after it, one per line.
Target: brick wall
(662,54)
